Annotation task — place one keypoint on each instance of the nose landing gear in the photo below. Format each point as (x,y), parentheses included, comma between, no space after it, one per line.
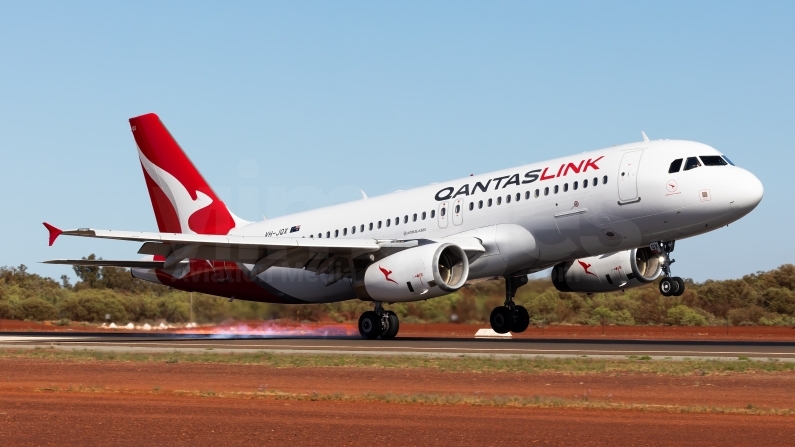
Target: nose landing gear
(670,285)
(510,317)
(379,323)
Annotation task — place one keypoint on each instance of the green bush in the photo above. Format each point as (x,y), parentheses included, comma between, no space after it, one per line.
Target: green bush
(35,309)
(93,305)
(6,310)
(682,315)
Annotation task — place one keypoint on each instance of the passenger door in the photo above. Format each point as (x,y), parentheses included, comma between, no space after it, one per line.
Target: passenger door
(628,176)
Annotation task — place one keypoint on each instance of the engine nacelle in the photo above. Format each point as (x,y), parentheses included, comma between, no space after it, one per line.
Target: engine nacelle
(415,274)
(608,273)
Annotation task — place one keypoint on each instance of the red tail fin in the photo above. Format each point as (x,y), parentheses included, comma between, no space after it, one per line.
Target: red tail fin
(182,200)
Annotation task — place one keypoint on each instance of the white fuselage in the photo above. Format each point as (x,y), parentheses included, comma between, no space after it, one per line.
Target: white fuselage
(532,217)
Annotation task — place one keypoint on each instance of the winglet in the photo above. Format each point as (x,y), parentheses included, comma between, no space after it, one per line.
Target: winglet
(645,138)
(54,232)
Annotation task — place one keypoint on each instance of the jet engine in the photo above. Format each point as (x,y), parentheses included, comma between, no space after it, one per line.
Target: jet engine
(415,274)
(608,273)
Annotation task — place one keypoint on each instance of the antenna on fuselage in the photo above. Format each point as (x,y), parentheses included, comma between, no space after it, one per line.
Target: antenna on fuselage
(364,196)
(645,138)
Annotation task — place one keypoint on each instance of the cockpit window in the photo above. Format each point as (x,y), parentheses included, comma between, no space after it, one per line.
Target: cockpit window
(676,165)
(692,163)
(713,160)
(727,159)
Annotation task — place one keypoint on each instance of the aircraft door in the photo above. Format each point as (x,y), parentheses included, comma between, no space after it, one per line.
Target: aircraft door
(458,211)
(443,215)
(628,176)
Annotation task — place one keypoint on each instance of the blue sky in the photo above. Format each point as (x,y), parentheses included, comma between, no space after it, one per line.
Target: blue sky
(286,106)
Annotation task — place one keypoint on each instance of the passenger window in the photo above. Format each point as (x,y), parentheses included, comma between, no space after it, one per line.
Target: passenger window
(471,206)
(692,163)
(489,203)
(345,231)
(595,181)
(414,217)
(574,186)
(527,195)
(423,215)
(388,222)
(370,227)
(397,220)
(536,194)
(499,200)
(676,165)
(713,160)
(353,229)
(328,234)
(604,180)
(320,235)
(556,189)
(442,212)
(406,218)
(433,214)
(565,187)
(727,159)
(519,196)
(379,224)
(480,204)
(546,191)
(361,228)
(585,183)
(508,198)
(336,233)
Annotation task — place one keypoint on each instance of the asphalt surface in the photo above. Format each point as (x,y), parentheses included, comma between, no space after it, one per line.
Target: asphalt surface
(400,346)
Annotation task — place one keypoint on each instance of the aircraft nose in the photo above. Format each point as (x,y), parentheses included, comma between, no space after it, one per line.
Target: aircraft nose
(748,192)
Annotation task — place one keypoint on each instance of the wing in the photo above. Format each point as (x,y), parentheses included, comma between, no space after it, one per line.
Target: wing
(263,252)
(104,263)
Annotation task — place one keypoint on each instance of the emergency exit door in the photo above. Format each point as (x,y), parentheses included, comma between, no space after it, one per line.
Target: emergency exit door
(628,176)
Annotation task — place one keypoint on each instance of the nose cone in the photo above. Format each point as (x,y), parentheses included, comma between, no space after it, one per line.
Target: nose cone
(748,192)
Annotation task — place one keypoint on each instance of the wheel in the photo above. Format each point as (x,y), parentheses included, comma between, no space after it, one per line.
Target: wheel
(522,320)
(501,320)
(681,283)
(393,325)
(667,286)
(370,325)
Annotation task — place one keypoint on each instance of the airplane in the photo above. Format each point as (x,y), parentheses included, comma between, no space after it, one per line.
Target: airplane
(605,220)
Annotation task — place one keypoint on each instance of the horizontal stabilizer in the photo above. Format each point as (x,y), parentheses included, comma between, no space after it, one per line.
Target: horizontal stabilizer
(104,263)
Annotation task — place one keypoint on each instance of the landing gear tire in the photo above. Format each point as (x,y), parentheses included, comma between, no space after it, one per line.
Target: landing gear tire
(370,325)
(392,325)
(501,320)
(681,286)
(522,320)
(668,286)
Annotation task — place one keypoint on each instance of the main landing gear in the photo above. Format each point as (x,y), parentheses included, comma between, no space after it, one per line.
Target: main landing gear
(670,285)
(379,323)
(510,317)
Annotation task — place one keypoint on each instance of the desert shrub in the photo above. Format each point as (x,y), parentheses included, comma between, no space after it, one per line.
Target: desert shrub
(35,309)
(6,310)
(779,299)
(682,315)
(746,316)
(92,305)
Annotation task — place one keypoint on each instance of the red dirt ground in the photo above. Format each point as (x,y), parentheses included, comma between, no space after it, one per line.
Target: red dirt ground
(135,403)
(287,327)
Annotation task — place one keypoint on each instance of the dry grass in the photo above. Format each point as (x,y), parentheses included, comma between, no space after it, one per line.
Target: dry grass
(463,363)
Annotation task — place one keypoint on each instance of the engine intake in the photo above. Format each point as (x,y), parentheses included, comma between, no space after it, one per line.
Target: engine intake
(608,273)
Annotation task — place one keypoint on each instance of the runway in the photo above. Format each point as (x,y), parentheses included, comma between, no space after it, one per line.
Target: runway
(401,346)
